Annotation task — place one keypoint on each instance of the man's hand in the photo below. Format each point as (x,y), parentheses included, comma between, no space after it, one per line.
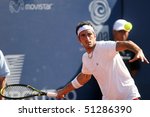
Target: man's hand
(60,94)
(140,56)
(130,45)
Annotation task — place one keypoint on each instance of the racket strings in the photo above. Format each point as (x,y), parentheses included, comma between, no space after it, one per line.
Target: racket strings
(18,91)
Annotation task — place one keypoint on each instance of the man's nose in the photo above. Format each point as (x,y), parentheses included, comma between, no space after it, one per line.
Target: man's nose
(87,37)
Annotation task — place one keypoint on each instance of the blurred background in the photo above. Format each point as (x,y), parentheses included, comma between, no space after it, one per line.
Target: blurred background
(38,40)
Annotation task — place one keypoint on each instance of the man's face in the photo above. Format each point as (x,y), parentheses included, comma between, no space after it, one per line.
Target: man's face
(121,35)
(87,38)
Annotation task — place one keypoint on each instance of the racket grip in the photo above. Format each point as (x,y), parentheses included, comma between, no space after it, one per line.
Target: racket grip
(52,94)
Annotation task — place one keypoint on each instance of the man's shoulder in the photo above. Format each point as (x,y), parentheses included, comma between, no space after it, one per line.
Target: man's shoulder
(84,55)
(105,44)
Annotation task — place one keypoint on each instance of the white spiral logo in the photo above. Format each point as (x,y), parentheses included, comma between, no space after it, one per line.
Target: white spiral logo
(100,11)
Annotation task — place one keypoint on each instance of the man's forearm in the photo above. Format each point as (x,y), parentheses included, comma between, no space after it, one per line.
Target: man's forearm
(127,45)
(77,82)
(133,47)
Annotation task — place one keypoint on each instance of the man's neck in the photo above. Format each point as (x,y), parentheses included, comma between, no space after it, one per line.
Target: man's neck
(91,49)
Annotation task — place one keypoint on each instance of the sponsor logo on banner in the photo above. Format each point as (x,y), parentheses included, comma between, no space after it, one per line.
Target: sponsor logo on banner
(15,6)
(100,13)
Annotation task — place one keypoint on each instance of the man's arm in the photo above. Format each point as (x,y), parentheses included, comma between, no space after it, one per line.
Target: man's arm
(129,45)
(81,79)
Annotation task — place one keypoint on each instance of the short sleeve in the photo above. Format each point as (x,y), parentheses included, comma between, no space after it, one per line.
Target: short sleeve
(84,69)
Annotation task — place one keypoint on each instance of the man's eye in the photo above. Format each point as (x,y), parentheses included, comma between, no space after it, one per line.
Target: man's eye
(89,34)
(83,35)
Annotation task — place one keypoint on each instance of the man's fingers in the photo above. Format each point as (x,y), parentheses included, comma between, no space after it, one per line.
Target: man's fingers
(143,59)
(146,61)
(134,59)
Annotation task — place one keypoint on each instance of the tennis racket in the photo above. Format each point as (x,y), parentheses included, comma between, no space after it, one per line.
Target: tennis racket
(22,91)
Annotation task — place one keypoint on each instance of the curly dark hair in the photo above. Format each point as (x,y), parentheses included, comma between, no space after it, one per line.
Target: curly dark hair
(82,24)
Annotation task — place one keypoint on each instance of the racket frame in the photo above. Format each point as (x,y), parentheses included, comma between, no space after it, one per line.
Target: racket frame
(40,93)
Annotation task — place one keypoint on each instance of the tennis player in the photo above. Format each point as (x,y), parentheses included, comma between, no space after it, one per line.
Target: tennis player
(121,30)
(103,61)
(4,71)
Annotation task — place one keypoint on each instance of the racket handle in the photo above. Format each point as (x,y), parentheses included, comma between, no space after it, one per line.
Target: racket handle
(52,94)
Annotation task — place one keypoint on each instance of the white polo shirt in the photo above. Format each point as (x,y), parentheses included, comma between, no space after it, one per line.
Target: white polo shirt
(107,66)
